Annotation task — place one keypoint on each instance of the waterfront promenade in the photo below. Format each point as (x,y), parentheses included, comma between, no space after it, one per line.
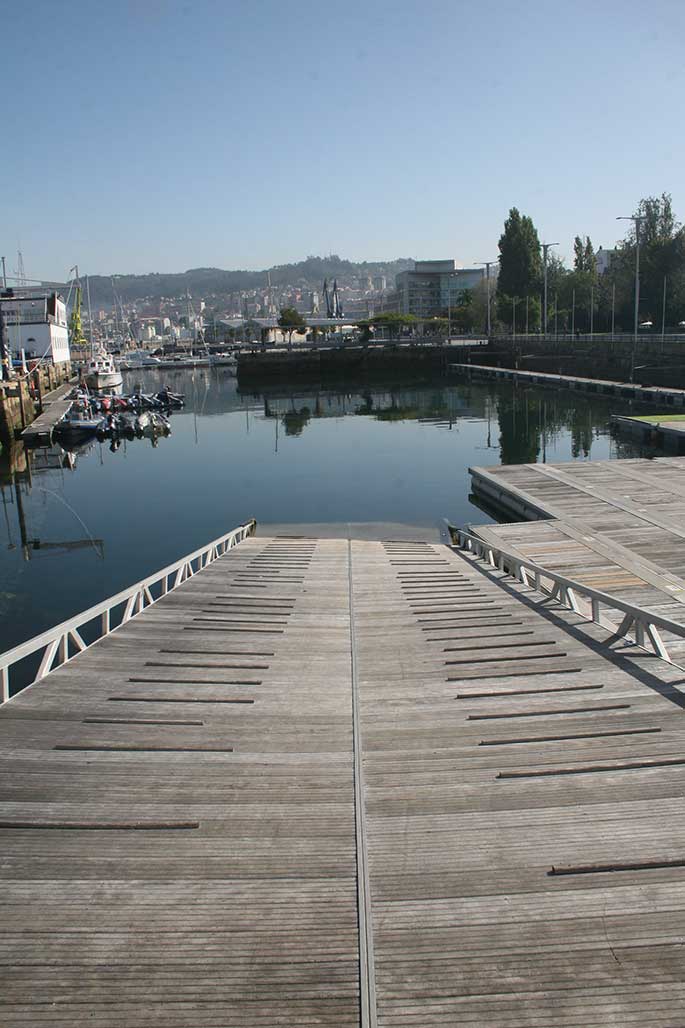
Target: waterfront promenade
(345,782)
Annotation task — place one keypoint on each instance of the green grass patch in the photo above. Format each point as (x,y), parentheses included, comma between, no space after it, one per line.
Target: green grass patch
(661,418)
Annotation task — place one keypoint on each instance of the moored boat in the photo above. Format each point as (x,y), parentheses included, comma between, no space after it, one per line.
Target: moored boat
(79,422)
(102,372)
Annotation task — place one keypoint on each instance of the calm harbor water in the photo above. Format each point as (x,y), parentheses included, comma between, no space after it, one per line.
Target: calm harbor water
(70,537)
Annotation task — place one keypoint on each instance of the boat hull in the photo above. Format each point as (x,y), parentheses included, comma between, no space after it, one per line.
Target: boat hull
(103,380)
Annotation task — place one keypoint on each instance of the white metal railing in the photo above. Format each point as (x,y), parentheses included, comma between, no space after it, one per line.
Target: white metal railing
(63,642)
(645,626)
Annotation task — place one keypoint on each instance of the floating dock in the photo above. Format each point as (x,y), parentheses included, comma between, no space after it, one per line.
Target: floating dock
(56,405)
(618,525)
(344,782)
(656,395)
(664,430)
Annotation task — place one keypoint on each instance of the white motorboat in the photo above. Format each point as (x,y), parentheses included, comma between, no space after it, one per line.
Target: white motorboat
(223,360)
(101,371)
(137,361)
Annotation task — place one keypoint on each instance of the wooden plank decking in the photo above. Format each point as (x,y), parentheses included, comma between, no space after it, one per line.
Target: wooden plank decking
(55,405)
(331,782)
(617,525)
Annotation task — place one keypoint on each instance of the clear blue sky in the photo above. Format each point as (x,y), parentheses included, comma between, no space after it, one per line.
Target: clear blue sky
(159,136)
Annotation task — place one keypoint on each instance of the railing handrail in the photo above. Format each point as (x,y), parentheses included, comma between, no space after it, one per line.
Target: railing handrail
(139,592)
(644,621)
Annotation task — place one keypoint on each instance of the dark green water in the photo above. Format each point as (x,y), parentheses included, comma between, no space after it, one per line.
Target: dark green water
(386,454)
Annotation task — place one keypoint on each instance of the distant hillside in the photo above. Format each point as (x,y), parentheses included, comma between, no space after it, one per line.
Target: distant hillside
(205,282)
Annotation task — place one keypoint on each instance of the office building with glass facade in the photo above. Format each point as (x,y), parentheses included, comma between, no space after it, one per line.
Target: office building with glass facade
(432,287)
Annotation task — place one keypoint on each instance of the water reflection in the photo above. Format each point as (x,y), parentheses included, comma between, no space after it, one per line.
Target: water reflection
(82,522)
(522,424)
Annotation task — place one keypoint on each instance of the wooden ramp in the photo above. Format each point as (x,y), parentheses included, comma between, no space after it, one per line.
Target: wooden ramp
(332,782)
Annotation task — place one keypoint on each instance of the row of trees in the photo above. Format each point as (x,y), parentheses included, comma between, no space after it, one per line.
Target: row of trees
(579,297)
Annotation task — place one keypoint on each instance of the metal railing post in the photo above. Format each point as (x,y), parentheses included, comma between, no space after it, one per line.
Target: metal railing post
(53,645)
(643,623)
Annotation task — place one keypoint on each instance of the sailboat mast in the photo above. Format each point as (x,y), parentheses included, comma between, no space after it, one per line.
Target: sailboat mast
(90,319)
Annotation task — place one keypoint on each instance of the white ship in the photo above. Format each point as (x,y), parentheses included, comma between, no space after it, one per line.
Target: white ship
(101,371)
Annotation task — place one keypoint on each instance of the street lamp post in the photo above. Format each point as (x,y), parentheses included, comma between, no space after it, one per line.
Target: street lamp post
(573,313)
(514,300)
(487,265)
(613,309)
(545,248)
(556,309)
(637,219)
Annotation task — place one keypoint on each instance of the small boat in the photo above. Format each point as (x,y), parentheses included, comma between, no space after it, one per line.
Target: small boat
(80,422)
(136,361)
(223,360)
(102,371)
(169,399)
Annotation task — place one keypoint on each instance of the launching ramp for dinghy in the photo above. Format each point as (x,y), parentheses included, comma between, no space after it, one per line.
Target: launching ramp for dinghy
(342,782)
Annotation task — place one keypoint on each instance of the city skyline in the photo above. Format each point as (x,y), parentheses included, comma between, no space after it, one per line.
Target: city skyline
(214,135)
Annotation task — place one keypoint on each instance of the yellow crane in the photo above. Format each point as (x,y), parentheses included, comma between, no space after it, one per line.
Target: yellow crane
(76,336)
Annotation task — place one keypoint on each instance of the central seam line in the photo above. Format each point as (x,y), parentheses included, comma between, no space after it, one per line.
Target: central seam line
(367,977)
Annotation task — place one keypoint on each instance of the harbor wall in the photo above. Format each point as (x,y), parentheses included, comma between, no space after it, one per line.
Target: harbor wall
(354,362)
(653,362)
(21,398)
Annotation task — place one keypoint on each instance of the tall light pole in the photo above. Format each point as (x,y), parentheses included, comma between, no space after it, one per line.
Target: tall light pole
(556,309)
(487,265)
(545,248)
(637,219)
(613,309)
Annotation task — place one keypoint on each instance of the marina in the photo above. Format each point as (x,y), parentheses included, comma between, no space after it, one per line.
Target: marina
(342,517)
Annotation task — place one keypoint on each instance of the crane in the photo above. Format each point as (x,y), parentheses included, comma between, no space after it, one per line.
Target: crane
(76,336)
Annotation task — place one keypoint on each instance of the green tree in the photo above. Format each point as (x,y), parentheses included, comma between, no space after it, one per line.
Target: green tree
(291,320)
(520,265)
(365,334)
(394,322)
(662,257)
(463,314)
(590,261)
(583,254)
